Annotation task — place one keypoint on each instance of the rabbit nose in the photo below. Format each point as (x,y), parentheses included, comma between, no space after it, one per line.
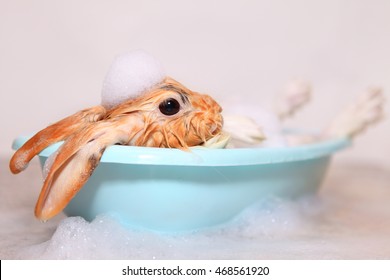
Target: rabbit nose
(209,103)
(218,107)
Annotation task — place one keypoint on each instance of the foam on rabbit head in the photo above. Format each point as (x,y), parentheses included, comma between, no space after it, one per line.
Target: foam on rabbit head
(130,75)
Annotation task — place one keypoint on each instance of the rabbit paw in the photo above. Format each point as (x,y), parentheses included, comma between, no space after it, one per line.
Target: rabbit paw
(365,111)
(296,94)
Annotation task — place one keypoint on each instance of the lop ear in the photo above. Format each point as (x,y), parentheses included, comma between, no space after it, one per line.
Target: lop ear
(56,132)
(74,164)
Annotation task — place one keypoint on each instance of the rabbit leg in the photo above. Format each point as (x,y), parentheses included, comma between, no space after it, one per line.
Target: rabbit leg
(56,132)
(357,117)
(364,112)
(295,95)
(242,130)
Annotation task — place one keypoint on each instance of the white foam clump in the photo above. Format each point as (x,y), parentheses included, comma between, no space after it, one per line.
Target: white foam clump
(106,238)
(130,75)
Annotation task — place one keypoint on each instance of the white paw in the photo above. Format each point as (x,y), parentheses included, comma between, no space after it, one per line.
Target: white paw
(243,129)
(365,111)
(296,94)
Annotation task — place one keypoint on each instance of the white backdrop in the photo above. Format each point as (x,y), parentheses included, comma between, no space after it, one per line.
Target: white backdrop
(54,54)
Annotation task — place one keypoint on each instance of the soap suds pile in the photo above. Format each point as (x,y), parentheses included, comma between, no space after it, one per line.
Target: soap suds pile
(349,219)
(105,237)
(129,76)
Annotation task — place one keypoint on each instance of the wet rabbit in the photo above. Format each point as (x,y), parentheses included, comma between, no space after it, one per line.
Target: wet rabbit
(168,115)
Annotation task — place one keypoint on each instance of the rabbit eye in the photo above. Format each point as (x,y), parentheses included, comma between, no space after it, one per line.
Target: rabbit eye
(169,107)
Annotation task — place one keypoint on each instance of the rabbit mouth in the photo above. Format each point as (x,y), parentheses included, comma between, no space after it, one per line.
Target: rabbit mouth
(214,129)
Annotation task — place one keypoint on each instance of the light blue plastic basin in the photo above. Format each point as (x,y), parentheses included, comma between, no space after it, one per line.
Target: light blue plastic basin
(173,190)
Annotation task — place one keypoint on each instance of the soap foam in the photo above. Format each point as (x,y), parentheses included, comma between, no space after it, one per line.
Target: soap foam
(106,238)
(130,75)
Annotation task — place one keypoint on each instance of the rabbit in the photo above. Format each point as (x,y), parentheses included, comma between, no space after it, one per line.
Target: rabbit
(169,115)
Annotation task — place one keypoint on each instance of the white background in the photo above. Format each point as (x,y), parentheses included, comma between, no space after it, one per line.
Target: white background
(54,54)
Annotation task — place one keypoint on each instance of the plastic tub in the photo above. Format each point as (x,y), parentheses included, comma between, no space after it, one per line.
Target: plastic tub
(174,190)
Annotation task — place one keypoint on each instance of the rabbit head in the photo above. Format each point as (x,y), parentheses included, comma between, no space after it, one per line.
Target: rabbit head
(172,116)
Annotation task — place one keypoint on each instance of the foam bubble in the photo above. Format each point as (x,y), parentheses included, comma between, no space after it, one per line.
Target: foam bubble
(130,75)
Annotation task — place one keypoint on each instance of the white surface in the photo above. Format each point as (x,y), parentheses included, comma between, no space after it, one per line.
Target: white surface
(349,219)
(55,54)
